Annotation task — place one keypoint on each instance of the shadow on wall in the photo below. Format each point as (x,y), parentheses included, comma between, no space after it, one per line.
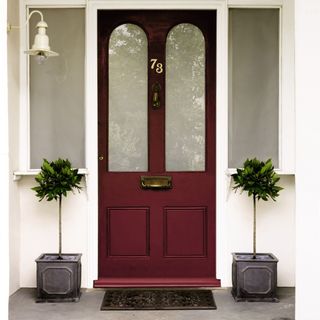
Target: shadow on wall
(275,228)
(39,229)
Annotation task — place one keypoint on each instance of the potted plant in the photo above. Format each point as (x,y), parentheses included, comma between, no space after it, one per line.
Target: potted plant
(58,274)
(254,275)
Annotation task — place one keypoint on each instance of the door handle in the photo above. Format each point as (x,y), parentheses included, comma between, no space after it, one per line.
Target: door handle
(156,182)
(156,95)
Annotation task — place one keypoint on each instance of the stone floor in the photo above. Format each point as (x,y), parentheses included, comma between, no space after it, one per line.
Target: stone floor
(22,306)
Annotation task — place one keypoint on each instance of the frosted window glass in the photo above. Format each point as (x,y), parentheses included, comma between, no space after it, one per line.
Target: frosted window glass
(253,85)
(128,112)
(185,99)
(57,90)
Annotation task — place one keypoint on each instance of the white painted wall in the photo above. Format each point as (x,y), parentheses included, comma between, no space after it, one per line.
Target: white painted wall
(13,100)
(4,168)
(276,230)
(39,229)
(307,16)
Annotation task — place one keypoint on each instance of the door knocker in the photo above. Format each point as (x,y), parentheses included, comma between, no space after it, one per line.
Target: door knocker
(156,95)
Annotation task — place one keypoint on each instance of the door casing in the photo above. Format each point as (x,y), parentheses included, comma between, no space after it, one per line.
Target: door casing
(91,120)
(210,102)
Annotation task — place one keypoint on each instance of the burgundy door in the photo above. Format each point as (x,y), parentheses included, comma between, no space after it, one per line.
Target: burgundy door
(157,148)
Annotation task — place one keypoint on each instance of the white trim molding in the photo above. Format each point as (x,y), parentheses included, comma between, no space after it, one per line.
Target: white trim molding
(286,78)
(24,133)
(222,116)
(55,3)
(256,3)
(307,25)
(4,167)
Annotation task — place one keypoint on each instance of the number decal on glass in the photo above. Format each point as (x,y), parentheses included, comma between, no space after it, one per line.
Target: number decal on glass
(157,66)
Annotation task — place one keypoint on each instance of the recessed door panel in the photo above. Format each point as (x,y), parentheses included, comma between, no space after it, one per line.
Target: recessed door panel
(134,224)
(156,77)
(185,232)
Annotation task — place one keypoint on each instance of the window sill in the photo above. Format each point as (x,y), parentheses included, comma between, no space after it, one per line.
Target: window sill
(18,175)
(280,172)
(229,172)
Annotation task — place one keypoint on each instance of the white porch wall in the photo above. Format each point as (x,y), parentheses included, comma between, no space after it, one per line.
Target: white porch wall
(13,101)
(307,16)
(39,230)
(276,231)
(4,167)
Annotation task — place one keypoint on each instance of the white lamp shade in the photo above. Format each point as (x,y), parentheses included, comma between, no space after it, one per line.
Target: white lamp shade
(41,42)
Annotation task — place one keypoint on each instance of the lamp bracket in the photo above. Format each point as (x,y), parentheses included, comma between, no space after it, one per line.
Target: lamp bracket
(10,27)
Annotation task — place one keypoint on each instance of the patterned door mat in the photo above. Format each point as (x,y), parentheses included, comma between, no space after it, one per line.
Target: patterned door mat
(158,299)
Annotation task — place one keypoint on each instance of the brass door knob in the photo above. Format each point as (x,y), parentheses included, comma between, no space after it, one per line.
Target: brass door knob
(100,158)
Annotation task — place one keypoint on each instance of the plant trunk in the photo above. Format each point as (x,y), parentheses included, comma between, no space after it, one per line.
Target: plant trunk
(60,227)
(254,225)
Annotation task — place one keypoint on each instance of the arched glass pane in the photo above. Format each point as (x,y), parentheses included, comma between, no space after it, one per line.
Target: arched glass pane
(128,127)
(185,99)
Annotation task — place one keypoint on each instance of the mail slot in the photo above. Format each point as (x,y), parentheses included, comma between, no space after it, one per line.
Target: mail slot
(156,182)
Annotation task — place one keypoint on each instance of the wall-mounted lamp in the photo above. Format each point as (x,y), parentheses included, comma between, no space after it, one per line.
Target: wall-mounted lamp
(40,48)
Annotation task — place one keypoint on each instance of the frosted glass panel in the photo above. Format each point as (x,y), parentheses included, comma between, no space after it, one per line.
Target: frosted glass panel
(185,99)
(57,90)
(128,116)
(253,85)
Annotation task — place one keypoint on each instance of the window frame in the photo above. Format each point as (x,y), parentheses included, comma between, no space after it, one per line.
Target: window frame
(24,116)
(231,106)
(286,135)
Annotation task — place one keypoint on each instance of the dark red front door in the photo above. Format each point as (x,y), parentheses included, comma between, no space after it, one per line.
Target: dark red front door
(157,148)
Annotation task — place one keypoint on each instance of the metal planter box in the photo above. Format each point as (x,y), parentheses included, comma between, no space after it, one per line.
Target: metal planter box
(58,280)
(254,279)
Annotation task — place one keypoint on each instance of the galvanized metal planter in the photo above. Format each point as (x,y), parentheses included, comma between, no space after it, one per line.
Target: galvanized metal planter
(58,280)
(254,279)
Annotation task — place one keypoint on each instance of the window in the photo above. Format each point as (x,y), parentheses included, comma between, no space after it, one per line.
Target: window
(57,127)
(253,85)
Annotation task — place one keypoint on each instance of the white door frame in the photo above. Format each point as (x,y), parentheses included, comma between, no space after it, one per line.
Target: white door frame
(92,116)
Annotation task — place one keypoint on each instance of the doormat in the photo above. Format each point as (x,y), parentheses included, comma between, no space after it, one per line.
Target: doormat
(158,299)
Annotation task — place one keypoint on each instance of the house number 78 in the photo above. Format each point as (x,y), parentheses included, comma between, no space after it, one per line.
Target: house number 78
(156,65)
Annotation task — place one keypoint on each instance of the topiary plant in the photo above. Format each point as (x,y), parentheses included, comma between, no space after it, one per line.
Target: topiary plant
(54,181)
(259,179)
